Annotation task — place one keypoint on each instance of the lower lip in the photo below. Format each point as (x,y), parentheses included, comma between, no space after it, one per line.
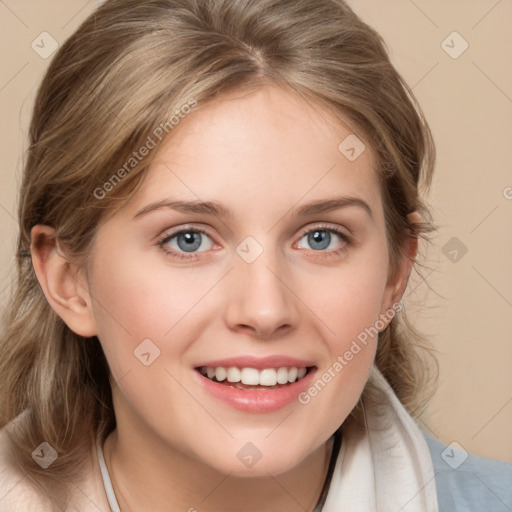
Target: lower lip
(257,400)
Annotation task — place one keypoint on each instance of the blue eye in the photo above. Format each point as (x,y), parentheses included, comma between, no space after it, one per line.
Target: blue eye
(322,239)
(189,241)
(319,240)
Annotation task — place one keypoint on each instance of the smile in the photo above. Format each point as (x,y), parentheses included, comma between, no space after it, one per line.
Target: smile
(256,385)
(272,378)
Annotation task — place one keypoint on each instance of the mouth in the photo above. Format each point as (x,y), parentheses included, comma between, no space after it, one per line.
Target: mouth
(248,378)
(256,385)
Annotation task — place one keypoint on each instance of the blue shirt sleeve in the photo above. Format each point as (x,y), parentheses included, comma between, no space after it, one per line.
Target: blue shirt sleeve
(468,483)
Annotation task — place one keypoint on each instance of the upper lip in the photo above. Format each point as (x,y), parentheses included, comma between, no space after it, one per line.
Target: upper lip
(259,363)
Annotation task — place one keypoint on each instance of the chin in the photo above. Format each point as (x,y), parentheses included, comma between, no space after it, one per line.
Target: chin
(261,469)
(257,460)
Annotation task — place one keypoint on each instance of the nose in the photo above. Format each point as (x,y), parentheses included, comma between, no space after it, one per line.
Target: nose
(260,303)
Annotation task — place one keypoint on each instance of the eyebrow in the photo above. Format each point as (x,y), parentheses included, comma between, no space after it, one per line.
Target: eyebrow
(204,207)
(323,206)
(217,209)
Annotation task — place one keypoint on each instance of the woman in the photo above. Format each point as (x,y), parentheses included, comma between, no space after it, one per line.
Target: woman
(219,214)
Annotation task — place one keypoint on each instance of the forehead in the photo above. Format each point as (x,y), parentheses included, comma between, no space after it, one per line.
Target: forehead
(268,145)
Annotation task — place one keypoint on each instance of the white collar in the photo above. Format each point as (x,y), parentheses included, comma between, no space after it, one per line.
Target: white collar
(107,483)
(386,467)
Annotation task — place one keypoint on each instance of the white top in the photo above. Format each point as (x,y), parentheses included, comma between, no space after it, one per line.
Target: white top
(387,467)
(107,483)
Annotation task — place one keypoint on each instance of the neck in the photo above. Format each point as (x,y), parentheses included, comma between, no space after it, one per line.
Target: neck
(144,480)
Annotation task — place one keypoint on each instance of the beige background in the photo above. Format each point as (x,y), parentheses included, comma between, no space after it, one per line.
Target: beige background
(466,304)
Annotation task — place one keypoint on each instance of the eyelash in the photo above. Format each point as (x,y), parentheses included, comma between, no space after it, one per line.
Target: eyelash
(347,240)
(166,237)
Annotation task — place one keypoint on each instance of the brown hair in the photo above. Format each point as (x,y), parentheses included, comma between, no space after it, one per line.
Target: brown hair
(130,68)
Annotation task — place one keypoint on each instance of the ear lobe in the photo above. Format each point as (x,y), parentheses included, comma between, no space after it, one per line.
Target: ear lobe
(65,290)
(396,286)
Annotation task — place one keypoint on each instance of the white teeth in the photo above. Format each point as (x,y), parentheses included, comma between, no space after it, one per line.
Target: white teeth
(282,376)
(292,374)
(250,377)
(234,374)
(220,373)
(253,377)
(268,377)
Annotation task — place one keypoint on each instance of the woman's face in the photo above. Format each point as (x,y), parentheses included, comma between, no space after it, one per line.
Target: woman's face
(254,250)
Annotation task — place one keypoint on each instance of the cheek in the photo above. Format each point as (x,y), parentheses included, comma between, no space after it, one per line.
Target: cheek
(348,303)
(134,302)
(348,300)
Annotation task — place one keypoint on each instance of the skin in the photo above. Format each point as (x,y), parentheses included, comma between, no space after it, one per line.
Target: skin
(263,155)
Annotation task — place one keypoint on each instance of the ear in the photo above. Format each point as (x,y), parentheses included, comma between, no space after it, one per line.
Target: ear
(397,284)
(64,287)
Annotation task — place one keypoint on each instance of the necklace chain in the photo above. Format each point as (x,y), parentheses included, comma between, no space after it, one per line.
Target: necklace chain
(318,508)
